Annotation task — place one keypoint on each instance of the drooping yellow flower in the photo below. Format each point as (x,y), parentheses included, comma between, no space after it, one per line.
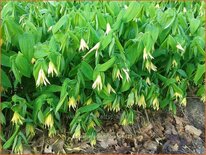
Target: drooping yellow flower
(178,46)
(118,74)
(108,29)
(91,125)
(83,45)
(52,69)
(49,121)
(174,63)
(33,60)
(124,122)
(89,101)
(72,103)
(93,142)
(52,131)
(110,89)
(147,55)
(150,66)
(42,79)
(98,83)
(30,129)
(17,118)
(77,132)
(126,71)
(141,101)
(155,103)
(148,81)
(177,95)
(96,47)
(184,101)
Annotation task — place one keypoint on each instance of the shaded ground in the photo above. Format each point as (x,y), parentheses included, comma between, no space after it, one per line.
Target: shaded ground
(161,133)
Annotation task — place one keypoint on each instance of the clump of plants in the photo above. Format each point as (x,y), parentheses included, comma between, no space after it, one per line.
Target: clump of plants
(76,61)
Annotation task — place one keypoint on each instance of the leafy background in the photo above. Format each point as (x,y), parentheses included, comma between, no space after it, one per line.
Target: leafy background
(35,34)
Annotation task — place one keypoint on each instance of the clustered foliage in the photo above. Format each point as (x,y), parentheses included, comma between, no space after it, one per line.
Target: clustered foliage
(72,62)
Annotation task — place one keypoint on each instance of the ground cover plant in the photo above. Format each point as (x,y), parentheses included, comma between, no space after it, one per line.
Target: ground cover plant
(69,63)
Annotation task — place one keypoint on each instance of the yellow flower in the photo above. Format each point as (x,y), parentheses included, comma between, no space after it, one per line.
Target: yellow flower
(108,29)
(155,104)
(118,74)
(97,83)
(52,131)
(91,125)
(109,89)
(177,95)
(42,79)
(89,101)
(124,122)
(49,121)
(83,45)
(33,60)
(77,132)
(178,46)
(174,63)
(148,81)
(147,55)
(108,106)
(18,148)
(184,101)
(142,101)
(52,69)
(177,78)
(96,47)
(30,129)
(93,142)
(126,71)
(72,102)
(150,66)
(17,118)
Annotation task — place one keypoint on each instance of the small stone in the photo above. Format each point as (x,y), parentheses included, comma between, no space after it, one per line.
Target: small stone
(150,145)
(175,147)
(192,130)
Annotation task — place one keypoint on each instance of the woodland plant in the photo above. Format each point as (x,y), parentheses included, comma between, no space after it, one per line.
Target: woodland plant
(79,60)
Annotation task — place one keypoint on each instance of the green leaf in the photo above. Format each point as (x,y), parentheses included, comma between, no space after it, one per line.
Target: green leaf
(60,23)
(132,11)
(23,65)
(5,82)
(133,52)
(26,43)
(200,71)
(62,99)
(5,60)
(105,66)
(194,24)
(88,108)
(87,70)
(11,139)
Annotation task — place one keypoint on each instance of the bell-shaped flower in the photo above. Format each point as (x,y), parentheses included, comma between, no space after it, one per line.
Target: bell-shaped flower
(180,47)
(126,71)
(155,103)
(77,132)
(52,69)
(108,29)
(98,83)
(83,45)
(72,103)
(184,101)
(141,101)
(17,118)
(110,89)
(42,79)
(49,121)
(147,55)
(96,47)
